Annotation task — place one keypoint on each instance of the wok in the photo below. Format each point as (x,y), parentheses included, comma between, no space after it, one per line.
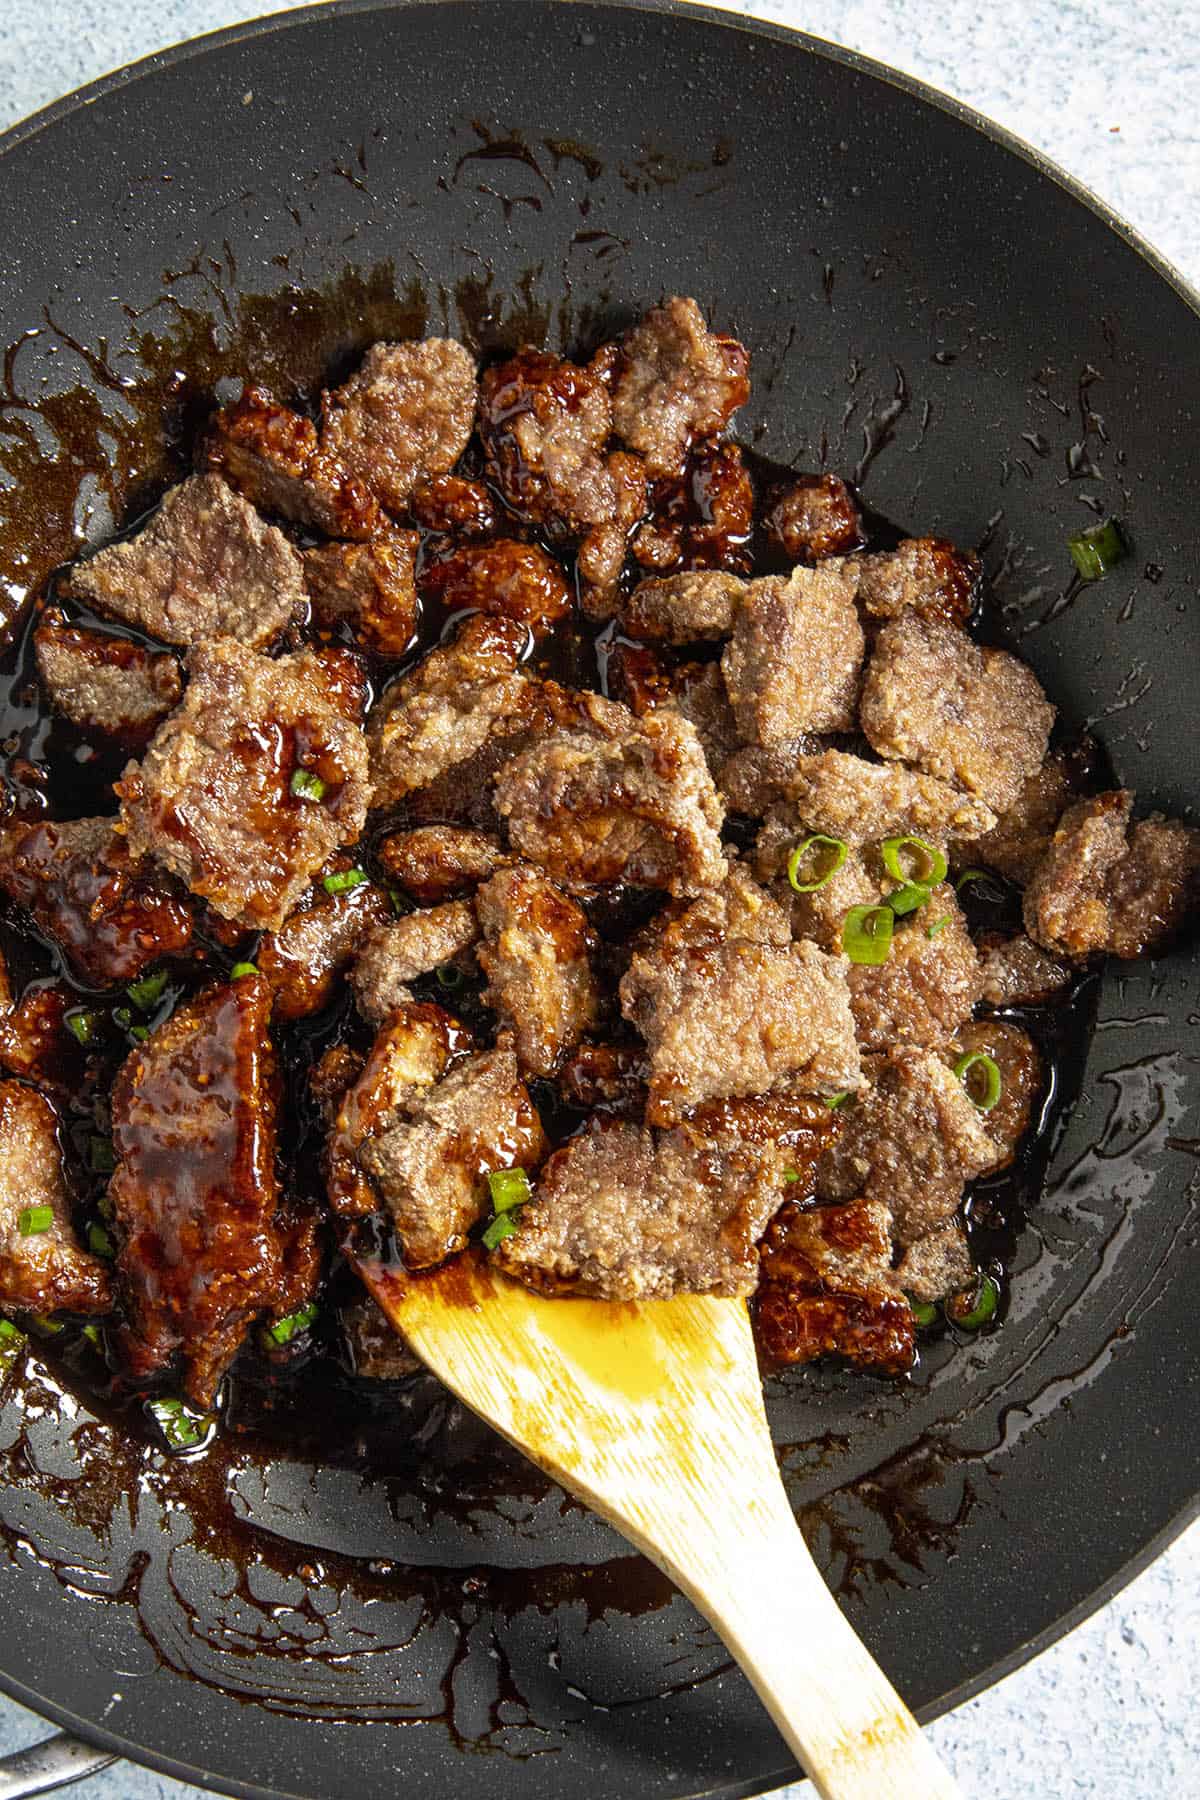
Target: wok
(932,310)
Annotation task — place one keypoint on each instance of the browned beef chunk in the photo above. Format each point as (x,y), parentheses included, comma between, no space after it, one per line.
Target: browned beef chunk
(42,1270)
(545,423)
(342,679)
(698,694)
(203,1248)
(925,576)
(535,954)
(677,383)
(928,986)
(214,797)
(972,716)
(1018,972)
(443,712)
(813,518)
(827,1289)
(205,566)
(1105,885)
(736,908)
(440,862)
(111,916)
(752,779)
(410,1054)
(621,1214)
(702,518)
(104,684)
(332,1076)
(397,953)
(406,414)
(374,1350)
(686,608)
(911,1140)
(819,915)
(938,1264)
(612,1076)
(35,1040)
(601,555)
(863,802)
(1015,1055)
(303,959)
(616,799)
(273,456)
(514,581)
(794,661)
(1021,836)
(372,586)
(429,1159)
(450,503)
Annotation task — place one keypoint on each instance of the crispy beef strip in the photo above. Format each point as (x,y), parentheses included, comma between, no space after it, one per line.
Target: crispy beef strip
(273,457)
(701,518)
(938,1264)
(813,518)
(412,1051)
(827,1288)
(677,382)
(393,954)
(927,989)
(45,1270)
(863,802)
(794,661)
(925,576)
(535,953)
(405,415)
(1023,833)
(301,961)
(104,684)
(1021,1079)
(511,580)
(372,586)
(686,608)
(440,862)
(1018,972)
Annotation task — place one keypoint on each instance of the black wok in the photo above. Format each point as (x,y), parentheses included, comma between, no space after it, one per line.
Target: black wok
(930,310)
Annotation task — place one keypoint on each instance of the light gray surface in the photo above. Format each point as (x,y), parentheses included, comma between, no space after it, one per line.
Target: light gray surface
(1110,91)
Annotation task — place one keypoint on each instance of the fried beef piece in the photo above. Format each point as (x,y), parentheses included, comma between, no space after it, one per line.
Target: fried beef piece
(685,609)
(698,695)
(104,684)
(405,415)
(535,954)
(511,580)
(342,680)
(440,862)
(203,1247)
(620,1214)
(1022,835)
(545,423)
(1107,886)
(402,951)
(1018,972)
(443,711)
(814,518)
(677,382)
(863,802)
(827,1289)
(273,456)
(938,1264)
(42,1269)
(303,959)
(636,676)
(601,555)
(372,586)
(110,915)
(611,1076)
(374,1349)
(616,798)
(219,797)
(429,1159)
(1015,1055)
(409,1054)
(331,1076)
(701,519)
(794,661)
(968,715)
(860,881)
(752,779)
(925,576)
(450,503)
(911,1140)
(35,1040)
(205,566)
(928,986)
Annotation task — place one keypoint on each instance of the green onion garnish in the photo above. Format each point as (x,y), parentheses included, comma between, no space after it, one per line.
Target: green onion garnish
(307,785)
(82,1024)
(867,933)
(122,1017)
(34,1220)
(401,905)
(930,863)
(508,1188)
(993,1084)
(973,1310)
(139,1033)
(8,1332)
(924,1313)
(285,1329)
(448,976)
(931,931)
(147,992)
(183,1428)
(831,853)
(12,1342)
(343,882)
(240,969)
(99,1242)
(790,1174)
(1097,550)
(45,1326)
(835,1100)
(501,1227)
(986,881)
(909,898)
(101,1157)
(92,1334)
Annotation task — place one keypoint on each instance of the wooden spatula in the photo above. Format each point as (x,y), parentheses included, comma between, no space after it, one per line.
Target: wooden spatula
(654,1416)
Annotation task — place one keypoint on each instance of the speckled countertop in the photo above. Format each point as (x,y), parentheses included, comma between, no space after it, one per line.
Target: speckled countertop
(1109,90)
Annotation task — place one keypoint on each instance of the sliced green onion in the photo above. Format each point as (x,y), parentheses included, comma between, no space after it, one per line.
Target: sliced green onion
(122,1017)
(835,1100)
(307,785)
(99,1242)
(401,904)
(930,867)
(448,976)
(501,1227)
(285,1329)
(240,969)
(973,1310)
(341,883)
(790,1174)
(931,931)
(907,899)
(34,1220)
(867,933)
(82,1024)
(1097,550)
(45,1326)
(147,992)
(838,852)
(92,1334)
(101,1156)
(9,1333)
(139,1033)
(508,1188)
(992,889)
(993,1084)
(924,1313)
(12,1342)
(181,1426)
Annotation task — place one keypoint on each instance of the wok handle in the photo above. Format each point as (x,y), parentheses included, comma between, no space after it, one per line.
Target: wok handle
(53,1763)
